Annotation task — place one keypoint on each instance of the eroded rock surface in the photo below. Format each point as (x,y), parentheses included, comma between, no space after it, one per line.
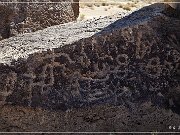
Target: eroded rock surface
(22,46)
(131,63)
(103,118)
(24,16)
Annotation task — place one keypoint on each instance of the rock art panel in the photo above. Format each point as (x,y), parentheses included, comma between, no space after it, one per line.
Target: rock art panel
(120,65)
(124,78)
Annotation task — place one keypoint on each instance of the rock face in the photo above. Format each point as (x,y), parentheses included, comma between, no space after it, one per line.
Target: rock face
(132,64)
(91,119)
(24,16)
(53,37)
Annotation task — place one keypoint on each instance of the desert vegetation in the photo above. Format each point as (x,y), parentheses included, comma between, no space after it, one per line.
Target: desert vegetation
(96,8)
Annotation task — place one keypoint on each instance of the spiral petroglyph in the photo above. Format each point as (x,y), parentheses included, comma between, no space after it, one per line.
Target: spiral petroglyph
(110,74)
(121,66)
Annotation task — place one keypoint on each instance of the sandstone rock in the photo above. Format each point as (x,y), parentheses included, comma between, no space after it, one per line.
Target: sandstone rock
(131,67)
(24,16)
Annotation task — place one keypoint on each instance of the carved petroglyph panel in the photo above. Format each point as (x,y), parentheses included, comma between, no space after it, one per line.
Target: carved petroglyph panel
(123,66)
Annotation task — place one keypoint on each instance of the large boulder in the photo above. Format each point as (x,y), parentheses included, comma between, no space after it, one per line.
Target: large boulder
(24,16)
(119,79)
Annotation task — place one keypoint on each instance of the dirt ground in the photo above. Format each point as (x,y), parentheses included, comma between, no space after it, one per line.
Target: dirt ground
(100,8)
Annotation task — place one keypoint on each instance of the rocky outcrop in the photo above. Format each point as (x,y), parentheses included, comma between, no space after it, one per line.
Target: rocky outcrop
(24,16)
(53,37)
(102,118)
(131,65)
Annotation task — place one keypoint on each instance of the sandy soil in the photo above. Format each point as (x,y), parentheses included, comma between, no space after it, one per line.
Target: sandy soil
(100,8)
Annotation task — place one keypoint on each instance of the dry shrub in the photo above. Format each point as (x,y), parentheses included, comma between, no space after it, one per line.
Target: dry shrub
(82,17)
(127,8)
(120,6)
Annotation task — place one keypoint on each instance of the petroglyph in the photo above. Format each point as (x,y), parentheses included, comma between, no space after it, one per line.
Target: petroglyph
(26,16)
(126,65)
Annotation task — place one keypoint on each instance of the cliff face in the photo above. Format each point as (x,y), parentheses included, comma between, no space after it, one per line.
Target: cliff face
(133,65)
(22,17)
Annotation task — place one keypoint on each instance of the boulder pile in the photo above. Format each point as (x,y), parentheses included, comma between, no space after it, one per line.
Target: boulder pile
(25,16)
